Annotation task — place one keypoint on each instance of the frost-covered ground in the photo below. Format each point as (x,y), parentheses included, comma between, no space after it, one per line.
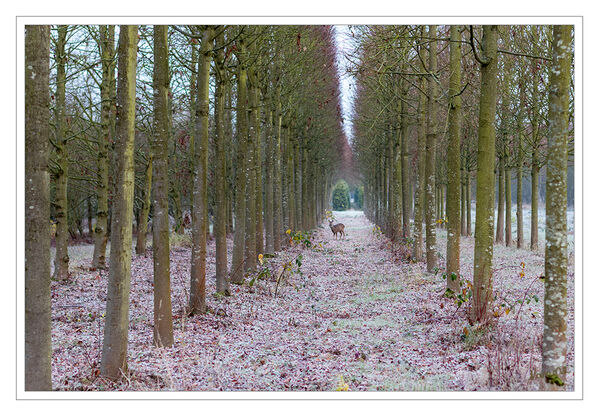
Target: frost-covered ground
(359,317)
(527,219)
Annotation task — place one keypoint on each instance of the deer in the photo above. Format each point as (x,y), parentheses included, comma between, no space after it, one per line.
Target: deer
(337,228)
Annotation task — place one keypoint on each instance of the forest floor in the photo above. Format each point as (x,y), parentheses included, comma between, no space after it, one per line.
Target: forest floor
(359,316)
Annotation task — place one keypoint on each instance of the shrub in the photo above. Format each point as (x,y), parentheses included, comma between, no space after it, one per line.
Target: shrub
(341,196)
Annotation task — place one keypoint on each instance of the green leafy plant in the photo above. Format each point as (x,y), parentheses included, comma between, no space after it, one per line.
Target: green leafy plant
(341,201)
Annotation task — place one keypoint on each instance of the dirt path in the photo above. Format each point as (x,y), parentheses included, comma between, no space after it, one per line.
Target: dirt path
(357,318)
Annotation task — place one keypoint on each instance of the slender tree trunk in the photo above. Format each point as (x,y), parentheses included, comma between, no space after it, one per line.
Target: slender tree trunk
(142,223)
(520,161)
(392,188)
(250,195)
(163,315)
(101,228)
(237,263)
(269,182)
(500,202)
(298,184)
(257,117)
(90,228)
(305,180)
(277,223)
(431,143)
(229,156)
(114,350)
(468,204)
(38,342)
(61,260)
(197,294)
(406,200)
(193,110)
(220,174)
(555,340)
(463,199)
(485,179)
(292,200)
(534,205)
(420,178)
(508,206)
(453,163)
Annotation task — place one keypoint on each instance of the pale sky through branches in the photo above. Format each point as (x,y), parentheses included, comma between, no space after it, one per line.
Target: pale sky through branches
(348,85)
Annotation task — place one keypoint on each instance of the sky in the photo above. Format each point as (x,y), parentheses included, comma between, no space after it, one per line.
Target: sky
(347,87)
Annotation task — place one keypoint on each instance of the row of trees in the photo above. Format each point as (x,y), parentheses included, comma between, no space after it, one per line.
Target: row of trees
(238,125)
(440,106)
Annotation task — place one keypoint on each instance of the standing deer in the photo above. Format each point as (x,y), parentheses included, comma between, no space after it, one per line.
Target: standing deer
(337,228)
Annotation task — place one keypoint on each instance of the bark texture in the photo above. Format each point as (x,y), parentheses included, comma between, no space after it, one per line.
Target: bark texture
(237,262)
(453,164)
(197,293)
(61,205)
(108,66)
(114,349)
(220,212)
(485,178)
(431,143)
(38,343)
(556,247)
(163,315)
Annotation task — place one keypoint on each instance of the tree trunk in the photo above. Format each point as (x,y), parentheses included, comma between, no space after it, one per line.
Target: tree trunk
(534,205)
(277,223)
(292,200)
(298,184)
(163,315)
(142,223)
(237,263)
(101,228)
(61,260)
(520,161)
(468,204)
(420,178)
(269,182)
(500,202)
(463,199)
(251,177)
(114,350)
(453,164)
(38,342)
(431,143)
(197,298)
(485,179)
(555,340)
(508,206)
(220,174)
(406,200)
(256,120)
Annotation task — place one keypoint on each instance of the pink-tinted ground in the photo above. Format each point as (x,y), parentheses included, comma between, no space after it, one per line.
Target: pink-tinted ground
(359,317)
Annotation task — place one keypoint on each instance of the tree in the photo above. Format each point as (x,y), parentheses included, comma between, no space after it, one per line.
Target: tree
(114,350)
(453,164)
(431,143)
(341,196)
(556,247)
(238,260)
(197,294)
(61,259)
(38,343)
(106,46)
(144,212)
(163,316)
(220,215)
(485,179)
